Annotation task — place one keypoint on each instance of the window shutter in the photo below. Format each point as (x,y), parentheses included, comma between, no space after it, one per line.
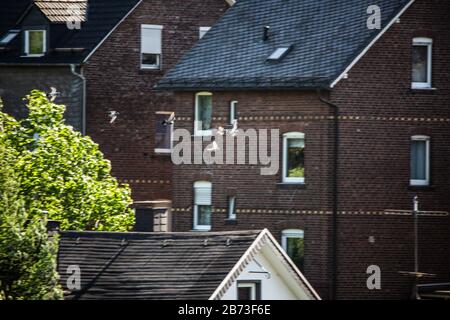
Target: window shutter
(151,39)
(203,196)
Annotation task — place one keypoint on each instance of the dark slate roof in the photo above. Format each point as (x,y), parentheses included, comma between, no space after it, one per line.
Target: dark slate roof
(102,16)
(326,35)
(150,265)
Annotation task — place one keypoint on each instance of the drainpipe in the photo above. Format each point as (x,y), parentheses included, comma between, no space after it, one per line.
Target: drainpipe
(335,197)
(83,111)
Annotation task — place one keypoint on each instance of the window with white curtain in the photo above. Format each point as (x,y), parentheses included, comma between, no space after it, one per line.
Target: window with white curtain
(203,114)
(422,63)
(294,157)
(151,46)
(202,205)
(420,160)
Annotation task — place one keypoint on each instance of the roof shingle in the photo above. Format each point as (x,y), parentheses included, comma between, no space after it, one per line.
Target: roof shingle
(101,17)
(325,35)
(150,265)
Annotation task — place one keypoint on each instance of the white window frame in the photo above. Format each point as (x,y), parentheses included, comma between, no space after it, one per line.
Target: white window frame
(197,124)
(232,204)
(158,65)
(291,233)
(426,181)
(161,150)
(286,137)
(201,184)
(27,43)
(426,42)
(249,284)
(202,31)
(233,108)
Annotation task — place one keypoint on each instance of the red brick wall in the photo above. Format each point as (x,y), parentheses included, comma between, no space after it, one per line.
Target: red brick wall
(115,82)
(375,153)
(263,202)
(378,114)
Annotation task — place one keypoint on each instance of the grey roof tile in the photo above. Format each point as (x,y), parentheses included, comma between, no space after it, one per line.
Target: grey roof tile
(102,17)
(326,36)
(150,265)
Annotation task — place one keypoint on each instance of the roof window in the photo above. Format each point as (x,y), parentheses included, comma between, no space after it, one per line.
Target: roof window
(279,53)
(9,36)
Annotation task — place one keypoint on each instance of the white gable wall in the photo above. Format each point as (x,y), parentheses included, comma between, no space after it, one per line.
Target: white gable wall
(274,288)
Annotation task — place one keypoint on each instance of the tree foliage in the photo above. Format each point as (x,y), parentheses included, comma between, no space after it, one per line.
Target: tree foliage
(27,255)
(63,173)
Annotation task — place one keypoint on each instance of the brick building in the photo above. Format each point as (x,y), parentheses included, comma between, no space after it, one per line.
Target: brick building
(363,121)
(103,57)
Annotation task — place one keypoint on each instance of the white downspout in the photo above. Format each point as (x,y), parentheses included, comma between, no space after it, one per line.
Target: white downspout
(83,108)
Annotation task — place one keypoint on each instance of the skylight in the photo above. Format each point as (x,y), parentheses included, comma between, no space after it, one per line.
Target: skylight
(279,53)
(9,36)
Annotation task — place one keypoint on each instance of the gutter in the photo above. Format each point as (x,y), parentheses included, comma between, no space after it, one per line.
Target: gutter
(335,196)
(83,112)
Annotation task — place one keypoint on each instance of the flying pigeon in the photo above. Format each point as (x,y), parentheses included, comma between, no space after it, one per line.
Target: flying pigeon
(170,120)
(113,116)
(53,94)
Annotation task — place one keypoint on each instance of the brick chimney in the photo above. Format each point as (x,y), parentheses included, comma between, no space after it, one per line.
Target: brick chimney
(153,216)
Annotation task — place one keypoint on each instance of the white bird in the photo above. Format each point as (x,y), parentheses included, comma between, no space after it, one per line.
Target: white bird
(212,147)
(220,131)
(53,94)
(234,130)
(113,116)
(170,120)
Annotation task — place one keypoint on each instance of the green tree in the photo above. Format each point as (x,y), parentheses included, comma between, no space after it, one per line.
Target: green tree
(63,173)
(27,254)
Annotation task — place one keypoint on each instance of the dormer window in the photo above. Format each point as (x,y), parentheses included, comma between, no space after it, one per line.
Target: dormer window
(35,43)
(7,38)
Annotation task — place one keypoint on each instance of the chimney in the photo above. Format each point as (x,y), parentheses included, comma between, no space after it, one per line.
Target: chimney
(266,30)
(152,216)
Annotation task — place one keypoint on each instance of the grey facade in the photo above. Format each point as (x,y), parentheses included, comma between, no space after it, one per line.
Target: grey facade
(17,81)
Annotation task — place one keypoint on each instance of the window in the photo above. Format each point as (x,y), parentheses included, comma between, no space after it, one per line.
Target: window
(420,161)
(202,205)
(292,241)
(232,208)
(151,46)
(293,157)
(9,36)
(203,114)
(422,63)
(163,132)
(203,31)
(279,53)
(35,42)
(233,111)
(248,290)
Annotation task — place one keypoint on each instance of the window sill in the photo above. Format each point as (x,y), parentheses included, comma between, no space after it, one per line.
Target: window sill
(162,152)
(152,71)
(297,185)
(423,89)
(421,188)
(231,222)
(201,135)
(201,230)
(33,55)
